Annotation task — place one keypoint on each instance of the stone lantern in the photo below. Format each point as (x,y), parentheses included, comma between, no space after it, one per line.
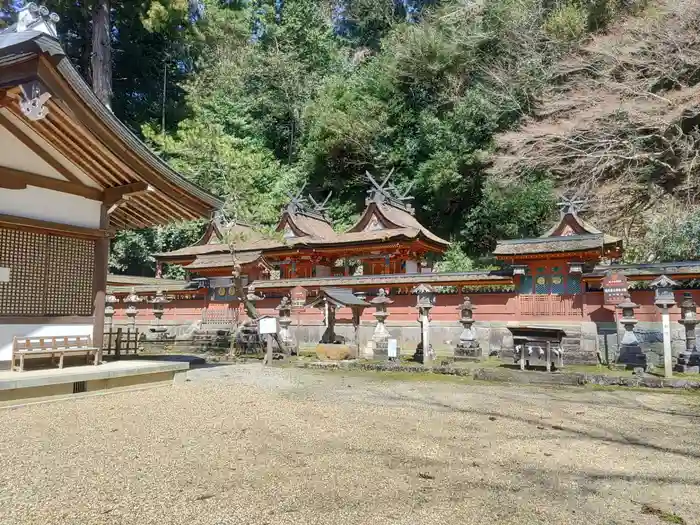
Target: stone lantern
(631,354)
(689,360)
(380,337)
(159,301)
(664,299)
(286,338)
(468,348)
(425,300)
(110,301)
(132,311)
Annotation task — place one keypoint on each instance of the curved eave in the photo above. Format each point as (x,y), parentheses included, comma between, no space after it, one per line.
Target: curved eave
(82,129)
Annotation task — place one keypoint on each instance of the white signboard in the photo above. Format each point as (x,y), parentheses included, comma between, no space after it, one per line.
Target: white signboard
(392,349)
(268,325)
(4,275)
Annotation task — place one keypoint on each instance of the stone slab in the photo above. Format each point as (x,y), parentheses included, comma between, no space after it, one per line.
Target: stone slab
(56,376)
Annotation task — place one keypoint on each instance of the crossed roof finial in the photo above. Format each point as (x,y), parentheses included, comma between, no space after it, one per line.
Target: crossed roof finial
(298,203)
(387,191)
(320,207)
(571,205)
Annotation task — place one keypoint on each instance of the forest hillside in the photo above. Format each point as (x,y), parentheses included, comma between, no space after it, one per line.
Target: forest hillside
(487,110)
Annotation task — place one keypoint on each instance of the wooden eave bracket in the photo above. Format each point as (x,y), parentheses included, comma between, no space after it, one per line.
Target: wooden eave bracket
(115,197)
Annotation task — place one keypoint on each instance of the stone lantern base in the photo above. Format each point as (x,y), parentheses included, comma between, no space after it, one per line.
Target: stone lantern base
(632,358)
(419,356)
(688,362)
(468,351)
(380,346)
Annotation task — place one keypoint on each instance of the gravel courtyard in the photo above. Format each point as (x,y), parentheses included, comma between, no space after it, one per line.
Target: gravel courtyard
(246,445)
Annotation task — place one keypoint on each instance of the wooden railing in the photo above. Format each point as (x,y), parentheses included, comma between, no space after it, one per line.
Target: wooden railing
(550,305)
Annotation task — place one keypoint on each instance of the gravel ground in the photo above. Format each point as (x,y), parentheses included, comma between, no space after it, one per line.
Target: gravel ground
(246,445)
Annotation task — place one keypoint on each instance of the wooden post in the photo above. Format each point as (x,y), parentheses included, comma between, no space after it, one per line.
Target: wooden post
(668,358)
(118,345)
(425,327)
(99,284)
(268,354)
(548,356)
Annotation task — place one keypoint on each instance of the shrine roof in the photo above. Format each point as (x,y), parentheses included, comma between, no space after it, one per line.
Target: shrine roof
(340,297)
(213,242)
(169,285)
(81,140)
(401,279)
(308,226)
(570,234)
(125,280)
(672,269)
(392,219)
(223,260)
(341,239)
(543,245)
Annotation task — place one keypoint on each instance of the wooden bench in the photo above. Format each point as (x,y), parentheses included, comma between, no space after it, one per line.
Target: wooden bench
(60,346)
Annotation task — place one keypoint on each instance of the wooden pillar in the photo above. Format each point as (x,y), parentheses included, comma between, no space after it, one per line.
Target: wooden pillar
(99,284)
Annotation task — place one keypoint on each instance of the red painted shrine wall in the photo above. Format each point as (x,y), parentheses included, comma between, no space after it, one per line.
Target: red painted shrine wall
(489,307)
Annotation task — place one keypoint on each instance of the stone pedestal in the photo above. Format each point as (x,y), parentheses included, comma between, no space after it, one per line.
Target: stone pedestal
(689,359)
(132,311)
(157,331)
(468,347)
(286,339)
(380,338)
(631,355)
(425,300)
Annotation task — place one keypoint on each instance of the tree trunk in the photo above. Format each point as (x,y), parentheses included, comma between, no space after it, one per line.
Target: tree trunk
(101,60)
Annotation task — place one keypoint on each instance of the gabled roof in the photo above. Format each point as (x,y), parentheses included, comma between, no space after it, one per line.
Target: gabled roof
(390,220)
(339,297)
(224,260)
(213,241)
(74,134)
(304,224)
(570,234)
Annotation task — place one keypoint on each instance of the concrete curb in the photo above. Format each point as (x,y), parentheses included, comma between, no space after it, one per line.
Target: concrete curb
(516,376)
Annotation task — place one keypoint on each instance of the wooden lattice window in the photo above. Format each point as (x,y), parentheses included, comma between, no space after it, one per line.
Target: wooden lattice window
(50,275)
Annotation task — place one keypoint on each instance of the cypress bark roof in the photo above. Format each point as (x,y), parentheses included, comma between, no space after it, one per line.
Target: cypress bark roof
(224,260)
(570,234)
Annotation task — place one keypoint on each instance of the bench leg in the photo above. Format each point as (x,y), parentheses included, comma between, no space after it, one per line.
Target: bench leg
(21,362)
(95,361)
(60,361)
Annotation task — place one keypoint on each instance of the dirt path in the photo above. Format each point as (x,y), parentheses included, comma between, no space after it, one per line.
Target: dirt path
(246,445)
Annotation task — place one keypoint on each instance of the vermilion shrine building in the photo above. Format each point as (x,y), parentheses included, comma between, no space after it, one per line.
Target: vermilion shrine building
(71,175)
(552,280)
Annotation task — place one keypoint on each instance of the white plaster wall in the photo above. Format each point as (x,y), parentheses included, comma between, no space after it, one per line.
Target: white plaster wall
(49,205)
(8,331)
(411,267)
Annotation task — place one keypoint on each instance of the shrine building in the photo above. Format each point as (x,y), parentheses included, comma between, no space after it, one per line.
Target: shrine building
(71,175)
(553,280)
(387,239)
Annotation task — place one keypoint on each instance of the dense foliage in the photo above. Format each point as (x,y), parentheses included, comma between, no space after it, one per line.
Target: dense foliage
(252,98)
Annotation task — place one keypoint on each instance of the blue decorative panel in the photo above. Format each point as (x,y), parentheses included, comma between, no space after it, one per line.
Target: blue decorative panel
(557,284)
(525,286)
(573,284)
(542,284)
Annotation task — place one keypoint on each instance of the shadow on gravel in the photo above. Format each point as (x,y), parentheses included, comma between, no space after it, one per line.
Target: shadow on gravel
(621,438)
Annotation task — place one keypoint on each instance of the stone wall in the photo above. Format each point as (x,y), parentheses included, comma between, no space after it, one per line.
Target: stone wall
(494,337)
